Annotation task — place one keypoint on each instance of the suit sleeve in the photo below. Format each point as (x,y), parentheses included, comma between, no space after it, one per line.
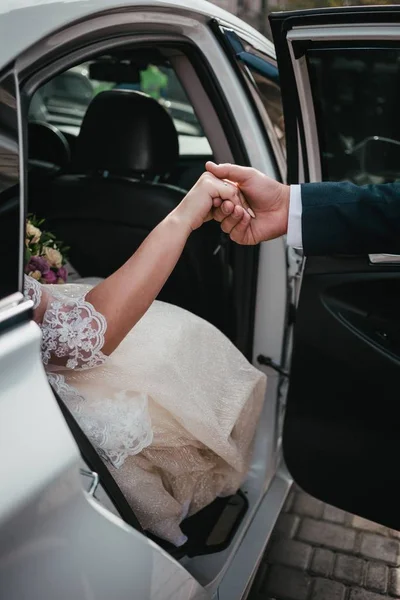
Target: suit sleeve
(343,218)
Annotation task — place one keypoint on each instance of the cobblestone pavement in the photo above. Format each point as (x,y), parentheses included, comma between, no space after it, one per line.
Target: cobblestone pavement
(318,552)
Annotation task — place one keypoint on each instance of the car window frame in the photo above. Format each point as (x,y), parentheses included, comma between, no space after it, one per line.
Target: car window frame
(11,142)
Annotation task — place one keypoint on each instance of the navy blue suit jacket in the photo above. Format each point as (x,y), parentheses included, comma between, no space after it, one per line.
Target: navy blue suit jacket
(343,218)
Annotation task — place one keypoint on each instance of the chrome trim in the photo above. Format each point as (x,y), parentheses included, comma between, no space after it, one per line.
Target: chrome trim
(10,301)
(22,224)
(94,483)
(352,31)
(384,259)
(307,110)
(12,310)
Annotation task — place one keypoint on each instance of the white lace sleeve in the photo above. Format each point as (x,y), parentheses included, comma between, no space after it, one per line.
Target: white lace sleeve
(72,333)
(32,291)
(72,330)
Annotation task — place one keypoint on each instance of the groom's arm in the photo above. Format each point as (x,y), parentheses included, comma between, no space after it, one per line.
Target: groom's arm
(343,218)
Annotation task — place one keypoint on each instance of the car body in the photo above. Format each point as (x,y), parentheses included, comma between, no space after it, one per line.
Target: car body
(64,537)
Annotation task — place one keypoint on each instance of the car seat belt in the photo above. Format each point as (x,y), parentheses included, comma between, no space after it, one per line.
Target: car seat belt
(94,462)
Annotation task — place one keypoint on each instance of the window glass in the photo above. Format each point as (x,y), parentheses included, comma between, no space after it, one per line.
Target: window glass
(264,86)
(356,95)
(270,94)
(64,100)
(9,189)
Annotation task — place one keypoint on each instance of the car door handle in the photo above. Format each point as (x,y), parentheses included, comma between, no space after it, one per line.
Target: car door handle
(384,259)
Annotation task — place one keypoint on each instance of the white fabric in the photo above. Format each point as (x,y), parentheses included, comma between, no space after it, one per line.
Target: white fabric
(294,232)
(32,291)
(173,411)
(72,339)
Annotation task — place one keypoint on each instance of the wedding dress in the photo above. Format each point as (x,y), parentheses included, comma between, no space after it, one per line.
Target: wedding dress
(172,411)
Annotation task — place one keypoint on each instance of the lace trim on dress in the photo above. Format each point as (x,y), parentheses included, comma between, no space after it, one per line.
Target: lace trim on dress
(118,426)
(32,290)
(73,329)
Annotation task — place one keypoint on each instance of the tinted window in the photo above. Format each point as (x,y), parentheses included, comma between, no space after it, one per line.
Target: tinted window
(270,95)
(356,96)
(63,101)
(9,189)
(263,83)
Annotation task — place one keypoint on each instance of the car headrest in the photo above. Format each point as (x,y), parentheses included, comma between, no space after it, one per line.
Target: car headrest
(47,144)
(127,133)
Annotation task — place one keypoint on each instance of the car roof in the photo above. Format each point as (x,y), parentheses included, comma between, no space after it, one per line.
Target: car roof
(26,22)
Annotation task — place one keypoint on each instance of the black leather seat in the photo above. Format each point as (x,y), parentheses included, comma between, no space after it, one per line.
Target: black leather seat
(48,150)
(111,200)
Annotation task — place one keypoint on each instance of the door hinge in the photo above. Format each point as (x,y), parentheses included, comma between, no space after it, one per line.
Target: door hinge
(268,362)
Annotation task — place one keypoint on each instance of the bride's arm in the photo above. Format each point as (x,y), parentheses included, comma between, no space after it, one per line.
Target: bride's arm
(125,296)
(77,334)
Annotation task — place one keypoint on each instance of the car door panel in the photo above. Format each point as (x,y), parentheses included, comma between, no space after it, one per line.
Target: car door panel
(342,420)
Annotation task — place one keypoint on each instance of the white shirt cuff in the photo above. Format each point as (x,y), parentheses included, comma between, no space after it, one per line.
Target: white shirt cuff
(294,233)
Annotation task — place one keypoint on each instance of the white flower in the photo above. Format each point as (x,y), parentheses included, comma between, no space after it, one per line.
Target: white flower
(53,256)
(33,233)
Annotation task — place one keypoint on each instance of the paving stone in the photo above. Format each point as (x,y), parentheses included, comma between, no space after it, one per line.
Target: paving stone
(336,515)
(322,562)
(377,577)
(325,589)
(349,569)
(361,594)
(381,548)
(331,535)
(360,523)
(308,506)
(394,582)
(393,533)
(290,553)
(288,583)
(286,526)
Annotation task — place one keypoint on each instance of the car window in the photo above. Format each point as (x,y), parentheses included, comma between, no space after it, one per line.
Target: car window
(10,206)
(267,97)
(63,102)
(270,95)
(356,97)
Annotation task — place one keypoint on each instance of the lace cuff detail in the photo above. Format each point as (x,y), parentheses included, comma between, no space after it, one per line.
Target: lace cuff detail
(32,290)
(73,330)
(118,426)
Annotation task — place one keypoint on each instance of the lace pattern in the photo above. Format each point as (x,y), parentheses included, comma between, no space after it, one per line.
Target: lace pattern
(32,291)
(118,426)
(74,330)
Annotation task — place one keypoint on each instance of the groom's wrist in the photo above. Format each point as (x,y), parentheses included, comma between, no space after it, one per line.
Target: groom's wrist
(284,204)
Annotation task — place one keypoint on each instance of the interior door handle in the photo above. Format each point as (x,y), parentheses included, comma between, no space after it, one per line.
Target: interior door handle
(384,259)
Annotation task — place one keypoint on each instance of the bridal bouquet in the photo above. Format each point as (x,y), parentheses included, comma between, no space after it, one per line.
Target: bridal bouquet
(45,257)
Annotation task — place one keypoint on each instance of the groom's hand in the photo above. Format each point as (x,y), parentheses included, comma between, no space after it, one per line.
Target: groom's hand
(268,199)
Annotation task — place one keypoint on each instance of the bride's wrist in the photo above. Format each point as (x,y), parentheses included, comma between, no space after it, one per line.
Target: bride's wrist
(180,221)
(180,217)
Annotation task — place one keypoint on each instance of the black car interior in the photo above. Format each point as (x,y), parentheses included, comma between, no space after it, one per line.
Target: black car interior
(101,192)
(103,197)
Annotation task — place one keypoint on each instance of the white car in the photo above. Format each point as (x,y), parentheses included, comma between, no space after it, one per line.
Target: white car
(66,530)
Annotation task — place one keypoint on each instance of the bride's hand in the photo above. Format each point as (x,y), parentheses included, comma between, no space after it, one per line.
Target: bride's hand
(208,192)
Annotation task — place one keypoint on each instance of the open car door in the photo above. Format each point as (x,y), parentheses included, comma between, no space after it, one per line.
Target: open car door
(340,79)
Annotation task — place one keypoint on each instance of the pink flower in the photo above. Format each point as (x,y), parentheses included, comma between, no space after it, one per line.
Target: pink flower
(62,275)
(37,263)
(50,277)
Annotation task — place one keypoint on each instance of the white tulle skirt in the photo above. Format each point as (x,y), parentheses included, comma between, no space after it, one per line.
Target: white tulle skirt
(201,399)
